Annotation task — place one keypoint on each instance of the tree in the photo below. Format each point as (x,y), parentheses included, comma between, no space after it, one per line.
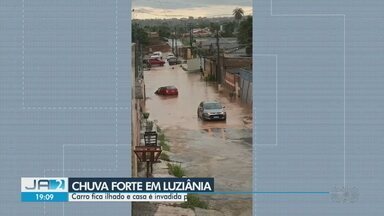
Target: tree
(238,13)
(164,31)
(228,29)
(202,24)
(214,26)
(244,35)
(139,34)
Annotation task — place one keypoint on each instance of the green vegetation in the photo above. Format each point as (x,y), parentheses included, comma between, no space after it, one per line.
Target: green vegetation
(158,129)
(161,137)
(165,146)
(244,35)
(238,13)
(176,170)
(228,29)
(162,142)
(214,26)
(139,34)
(164,157)
(194,201)
(145,115)
(164,31)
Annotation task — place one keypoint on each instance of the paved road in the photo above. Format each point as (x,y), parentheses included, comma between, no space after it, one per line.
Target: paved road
(221,150)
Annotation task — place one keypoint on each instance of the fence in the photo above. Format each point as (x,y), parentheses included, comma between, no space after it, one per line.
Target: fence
(245,83)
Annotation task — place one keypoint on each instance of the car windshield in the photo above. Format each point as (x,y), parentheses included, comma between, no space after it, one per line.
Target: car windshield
(212,106)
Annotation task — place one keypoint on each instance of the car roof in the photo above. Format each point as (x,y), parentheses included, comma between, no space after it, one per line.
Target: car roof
(169,87)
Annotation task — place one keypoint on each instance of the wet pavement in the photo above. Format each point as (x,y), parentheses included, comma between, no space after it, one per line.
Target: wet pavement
(220,149)
(181,110)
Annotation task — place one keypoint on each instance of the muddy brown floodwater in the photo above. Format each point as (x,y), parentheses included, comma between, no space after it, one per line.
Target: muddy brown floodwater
(222,150)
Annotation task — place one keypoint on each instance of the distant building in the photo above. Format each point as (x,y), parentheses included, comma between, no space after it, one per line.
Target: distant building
(153,34)
(235,73)
(200,32)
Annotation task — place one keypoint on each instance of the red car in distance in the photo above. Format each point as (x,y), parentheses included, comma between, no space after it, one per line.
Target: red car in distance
(156,61)
(167,90)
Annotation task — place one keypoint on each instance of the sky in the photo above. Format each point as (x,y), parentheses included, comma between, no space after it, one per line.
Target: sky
(147,9)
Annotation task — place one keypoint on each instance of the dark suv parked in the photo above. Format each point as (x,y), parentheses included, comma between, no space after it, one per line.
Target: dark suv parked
(173,61)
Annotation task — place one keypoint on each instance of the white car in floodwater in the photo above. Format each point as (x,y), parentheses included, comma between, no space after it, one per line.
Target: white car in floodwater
(211,110)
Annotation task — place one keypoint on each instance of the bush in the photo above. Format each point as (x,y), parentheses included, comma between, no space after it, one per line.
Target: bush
(194,201)
(145,115)
(164,157)
(176,170)
(161,137)
(165,146)
(162,142)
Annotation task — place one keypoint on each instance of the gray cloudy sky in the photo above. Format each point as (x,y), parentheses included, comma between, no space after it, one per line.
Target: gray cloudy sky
(144,9)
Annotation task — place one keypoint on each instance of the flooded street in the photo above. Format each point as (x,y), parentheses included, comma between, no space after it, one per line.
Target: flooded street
(219,149)
(173,111)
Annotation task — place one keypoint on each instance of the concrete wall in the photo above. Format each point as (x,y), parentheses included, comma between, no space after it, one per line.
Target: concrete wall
(137,105)
(240,86)
(184,52)
(134,113)
(239,81)
(209,67)
(230,81)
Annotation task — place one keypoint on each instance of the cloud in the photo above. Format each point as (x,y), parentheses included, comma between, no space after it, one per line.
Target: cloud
(177,4)
(207,11)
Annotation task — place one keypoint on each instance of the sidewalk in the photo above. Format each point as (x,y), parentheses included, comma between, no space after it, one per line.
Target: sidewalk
(160,170)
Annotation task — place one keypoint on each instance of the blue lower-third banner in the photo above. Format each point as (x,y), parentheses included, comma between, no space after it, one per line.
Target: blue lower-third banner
(51,189)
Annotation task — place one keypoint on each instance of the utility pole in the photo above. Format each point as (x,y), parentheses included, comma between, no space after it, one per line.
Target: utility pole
(190,35)
(218,74)
(177,51)
(137,59)
(173,41)
(141,61)
(190,38)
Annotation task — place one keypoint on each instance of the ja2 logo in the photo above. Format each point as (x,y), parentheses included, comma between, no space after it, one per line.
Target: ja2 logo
(47,184)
